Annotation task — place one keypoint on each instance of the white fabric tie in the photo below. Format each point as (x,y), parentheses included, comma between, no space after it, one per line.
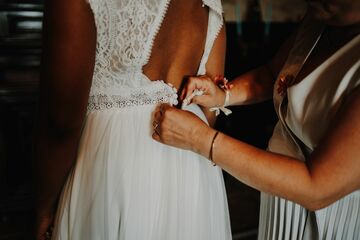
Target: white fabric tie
(225,110)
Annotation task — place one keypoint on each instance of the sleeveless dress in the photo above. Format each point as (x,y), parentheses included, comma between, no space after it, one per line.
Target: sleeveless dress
(125,185)
(303,120)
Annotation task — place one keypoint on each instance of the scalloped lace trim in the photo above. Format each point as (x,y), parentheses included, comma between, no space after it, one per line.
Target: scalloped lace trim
(153,93)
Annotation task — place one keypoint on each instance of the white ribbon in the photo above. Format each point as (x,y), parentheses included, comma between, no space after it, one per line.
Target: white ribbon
(198,92)
(225,110)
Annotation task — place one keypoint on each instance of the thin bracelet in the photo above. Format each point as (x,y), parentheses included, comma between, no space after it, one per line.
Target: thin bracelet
(211,149)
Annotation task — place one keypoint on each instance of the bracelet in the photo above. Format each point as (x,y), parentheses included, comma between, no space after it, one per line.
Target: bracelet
(223,83)
(225,110)
(227,98)
(212,148)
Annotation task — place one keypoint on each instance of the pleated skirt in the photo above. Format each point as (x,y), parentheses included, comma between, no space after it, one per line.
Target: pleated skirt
(283,219)
(127,186)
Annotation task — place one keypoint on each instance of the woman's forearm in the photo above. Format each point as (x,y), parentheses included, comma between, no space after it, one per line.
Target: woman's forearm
(268,172)
(257,85)
(252,87)
(273,173)
(327,176)
(265,171)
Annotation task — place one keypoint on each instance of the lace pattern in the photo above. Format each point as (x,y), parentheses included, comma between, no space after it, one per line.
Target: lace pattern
(154,93)
(126,30)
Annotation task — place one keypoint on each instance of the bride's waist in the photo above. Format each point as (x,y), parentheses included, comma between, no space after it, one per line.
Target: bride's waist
(120,96)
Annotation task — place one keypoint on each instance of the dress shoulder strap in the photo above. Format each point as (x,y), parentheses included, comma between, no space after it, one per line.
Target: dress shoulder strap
(215,24)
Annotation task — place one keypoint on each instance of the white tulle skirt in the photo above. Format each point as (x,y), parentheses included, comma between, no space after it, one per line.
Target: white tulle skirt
(127,186)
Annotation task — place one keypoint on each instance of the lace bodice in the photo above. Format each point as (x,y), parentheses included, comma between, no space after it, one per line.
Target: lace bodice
(126,30)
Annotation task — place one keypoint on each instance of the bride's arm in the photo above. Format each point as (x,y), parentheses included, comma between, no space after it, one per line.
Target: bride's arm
(215,66)
(67,68)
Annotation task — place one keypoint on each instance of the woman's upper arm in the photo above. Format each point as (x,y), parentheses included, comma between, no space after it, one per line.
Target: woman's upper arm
(67,63)
(335,165)
(216,65)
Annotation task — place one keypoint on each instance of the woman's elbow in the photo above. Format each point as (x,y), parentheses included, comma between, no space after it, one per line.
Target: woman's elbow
(317,200)
(315,205)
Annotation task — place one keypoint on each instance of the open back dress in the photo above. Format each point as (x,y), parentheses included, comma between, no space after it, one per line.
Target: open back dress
(125,185)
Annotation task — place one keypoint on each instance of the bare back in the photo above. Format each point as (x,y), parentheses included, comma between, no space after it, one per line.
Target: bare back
(180,43)
(140,42)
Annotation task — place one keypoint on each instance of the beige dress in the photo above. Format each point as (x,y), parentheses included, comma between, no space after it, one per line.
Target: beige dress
(311,105)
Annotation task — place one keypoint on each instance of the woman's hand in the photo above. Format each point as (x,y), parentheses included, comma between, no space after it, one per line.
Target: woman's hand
(212,96)
(44,225)
(181,129)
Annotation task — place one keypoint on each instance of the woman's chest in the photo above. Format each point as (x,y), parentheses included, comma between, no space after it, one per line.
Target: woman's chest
(313,103)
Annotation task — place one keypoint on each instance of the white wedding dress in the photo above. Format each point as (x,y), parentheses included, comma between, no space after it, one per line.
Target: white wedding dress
(125,185)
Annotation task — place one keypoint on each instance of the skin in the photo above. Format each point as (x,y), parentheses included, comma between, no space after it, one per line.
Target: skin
(333,169)
(67,69)
(64,89)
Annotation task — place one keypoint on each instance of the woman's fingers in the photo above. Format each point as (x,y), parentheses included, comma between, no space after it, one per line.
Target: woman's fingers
(178,128)
(189,88)
(196,88)
(156,136)
(196,100)
(159,114)
(193,84)
(44,227)
(156,123)
(162,121)
(202,91)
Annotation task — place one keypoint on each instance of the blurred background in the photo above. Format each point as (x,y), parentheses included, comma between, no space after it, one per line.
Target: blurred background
(255,30)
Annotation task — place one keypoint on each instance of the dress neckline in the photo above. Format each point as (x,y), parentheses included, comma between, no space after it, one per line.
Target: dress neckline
(332,57)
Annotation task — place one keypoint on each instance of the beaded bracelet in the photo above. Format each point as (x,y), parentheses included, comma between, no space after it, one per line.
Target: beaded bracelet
(212,148)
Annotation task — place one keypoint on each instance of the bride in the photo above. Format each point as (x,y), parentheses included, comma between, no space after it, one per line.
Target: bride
(107,64)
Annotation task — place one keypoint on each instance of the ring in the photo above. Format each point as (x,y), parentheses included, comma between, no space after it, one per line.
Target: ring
(48,234)
(156,125)
(161,109)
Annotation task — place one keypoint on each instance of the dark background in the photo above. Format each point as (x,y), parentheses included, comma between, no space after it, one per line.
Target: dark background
(20,50)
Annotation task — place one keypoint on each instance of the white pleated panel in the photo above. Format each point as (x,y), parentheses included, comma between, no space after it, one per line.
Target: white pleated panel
(128,186)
